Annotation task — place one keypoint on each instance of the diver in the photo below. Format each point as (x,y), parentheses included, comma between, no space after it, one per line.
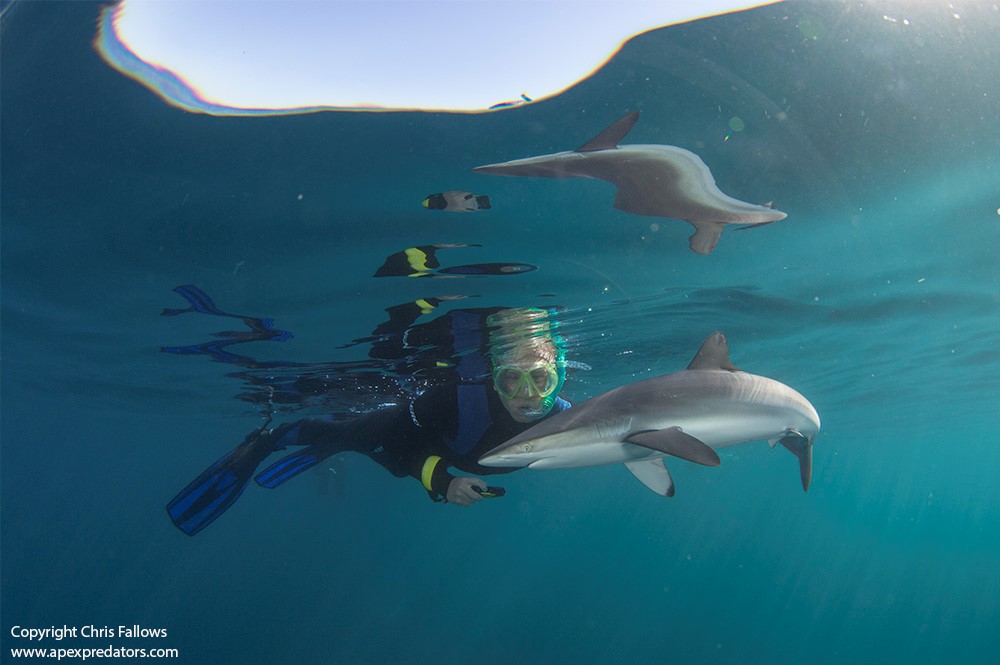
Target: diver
(495,396)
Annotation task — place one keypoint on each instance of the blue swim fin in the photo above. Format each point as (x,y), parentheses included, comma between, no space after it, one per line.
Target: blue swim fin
(219,486)
(292,465)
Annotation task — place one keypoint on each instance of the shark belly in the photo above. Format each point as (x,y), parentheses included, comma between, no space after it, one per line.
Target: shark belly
(730,408)
(599,454)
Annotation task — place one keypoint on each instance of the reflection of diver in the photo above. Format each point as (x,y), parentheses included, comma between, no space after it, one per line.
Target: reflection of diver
(456,201)
(492,399)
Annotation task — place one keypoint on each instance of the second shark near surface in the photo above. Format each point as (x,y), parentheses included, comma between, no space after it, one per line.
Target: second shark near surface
(687,414)
(655,180)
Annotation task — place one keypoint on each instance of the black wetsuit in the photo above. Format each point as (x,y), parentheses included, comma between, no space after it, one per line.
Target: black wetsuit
(458,424)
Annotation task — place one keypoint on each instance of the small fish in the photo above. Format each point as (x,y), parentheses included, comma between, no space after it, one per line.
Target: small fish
(456,201)
(513,102)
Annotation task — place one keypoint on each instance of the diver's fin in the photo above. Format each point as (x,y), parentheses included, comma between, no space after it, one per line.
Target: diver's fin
(673,441)
(211,493)
(654,475)
(292,465)
(801,447)
(713,354)
(706,237)
(609,138)
(214,491)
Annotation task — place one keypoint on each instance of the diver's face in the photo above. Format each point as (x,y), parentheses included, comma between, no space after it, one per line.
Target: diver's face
(523,386)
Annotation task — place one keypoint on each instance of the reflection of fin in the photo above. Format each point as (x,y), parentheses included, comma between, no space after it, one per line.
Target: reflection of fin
(414,261)
(653,475)
(199,300)
(610,137)
(217,488)
(706,237)
(488,269)
(292,465)
(202,304)
(411,261)
(674,441)
(801,447)
(422,262)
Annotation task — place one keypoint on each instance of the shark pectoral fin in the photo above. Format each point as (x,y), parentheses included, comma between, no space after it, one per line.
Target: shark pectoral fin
(801,447)
(609,138)
(706,236)
(672,441)
(654,475)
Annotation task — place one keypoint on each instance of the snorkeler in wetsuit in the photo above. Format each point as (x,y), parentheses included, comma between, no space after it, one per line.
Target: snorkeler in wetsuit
(448,426)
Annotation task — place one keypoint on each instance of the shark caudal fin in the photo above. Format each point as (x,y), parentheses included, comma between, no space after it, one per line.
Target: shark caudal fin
(654,475)
(801,447)
(609,138)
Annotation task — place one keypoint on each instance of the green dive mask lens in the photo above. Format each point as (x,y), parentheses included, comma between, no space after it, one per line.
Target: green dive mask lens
(540,380)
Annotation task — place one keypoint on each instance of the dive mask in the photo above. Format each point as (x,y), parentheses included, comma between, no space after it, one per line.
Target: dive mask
(539,380)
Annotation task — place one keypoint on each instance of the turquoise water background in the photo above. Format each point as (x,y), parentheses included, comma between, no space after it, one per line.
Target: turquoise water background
(878,299)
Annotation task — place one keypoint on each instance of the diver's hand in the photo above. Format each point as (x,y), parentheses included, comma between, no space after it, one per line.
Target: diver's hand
(460,491)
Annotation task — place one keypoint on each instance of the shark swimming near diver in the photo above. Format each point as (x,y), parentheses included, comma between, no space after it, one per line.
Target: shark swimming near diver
(687,414)
(654,180)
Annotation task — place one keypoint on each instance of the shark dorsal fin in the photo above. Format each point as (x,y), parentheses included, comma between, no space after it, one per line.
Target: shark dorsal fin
(713,354)
(609,138)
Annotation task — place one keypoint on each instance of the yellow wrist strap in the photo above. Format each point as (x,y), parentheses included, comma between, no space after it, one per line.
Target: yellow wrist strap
(427,473)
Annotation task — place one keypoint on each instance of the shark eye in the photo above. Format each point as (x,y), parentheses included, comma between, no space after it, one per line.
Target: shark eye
(526,447)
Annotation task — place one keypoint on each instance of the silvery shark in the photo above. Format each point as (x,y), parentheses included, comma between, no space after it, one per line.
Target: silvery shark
(687,414)
(655,180)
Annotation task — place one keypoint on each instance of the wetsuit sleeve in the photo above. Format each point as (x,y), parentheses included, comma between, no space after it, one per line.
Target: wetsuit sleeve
(423,454)
(435,478)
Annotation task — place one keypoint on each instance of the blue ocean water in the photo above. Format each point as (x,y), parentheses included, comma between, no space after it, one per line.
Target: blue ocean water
(878,299)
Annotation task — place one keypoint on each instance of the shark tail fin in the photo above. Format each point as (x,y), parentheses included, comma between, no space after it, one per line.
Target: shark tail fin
(801,447)
(609,138)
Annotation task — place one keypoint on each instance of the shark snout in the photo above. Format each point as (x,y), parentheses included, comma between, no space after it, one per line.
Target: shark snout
(502,460)
(545,166)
